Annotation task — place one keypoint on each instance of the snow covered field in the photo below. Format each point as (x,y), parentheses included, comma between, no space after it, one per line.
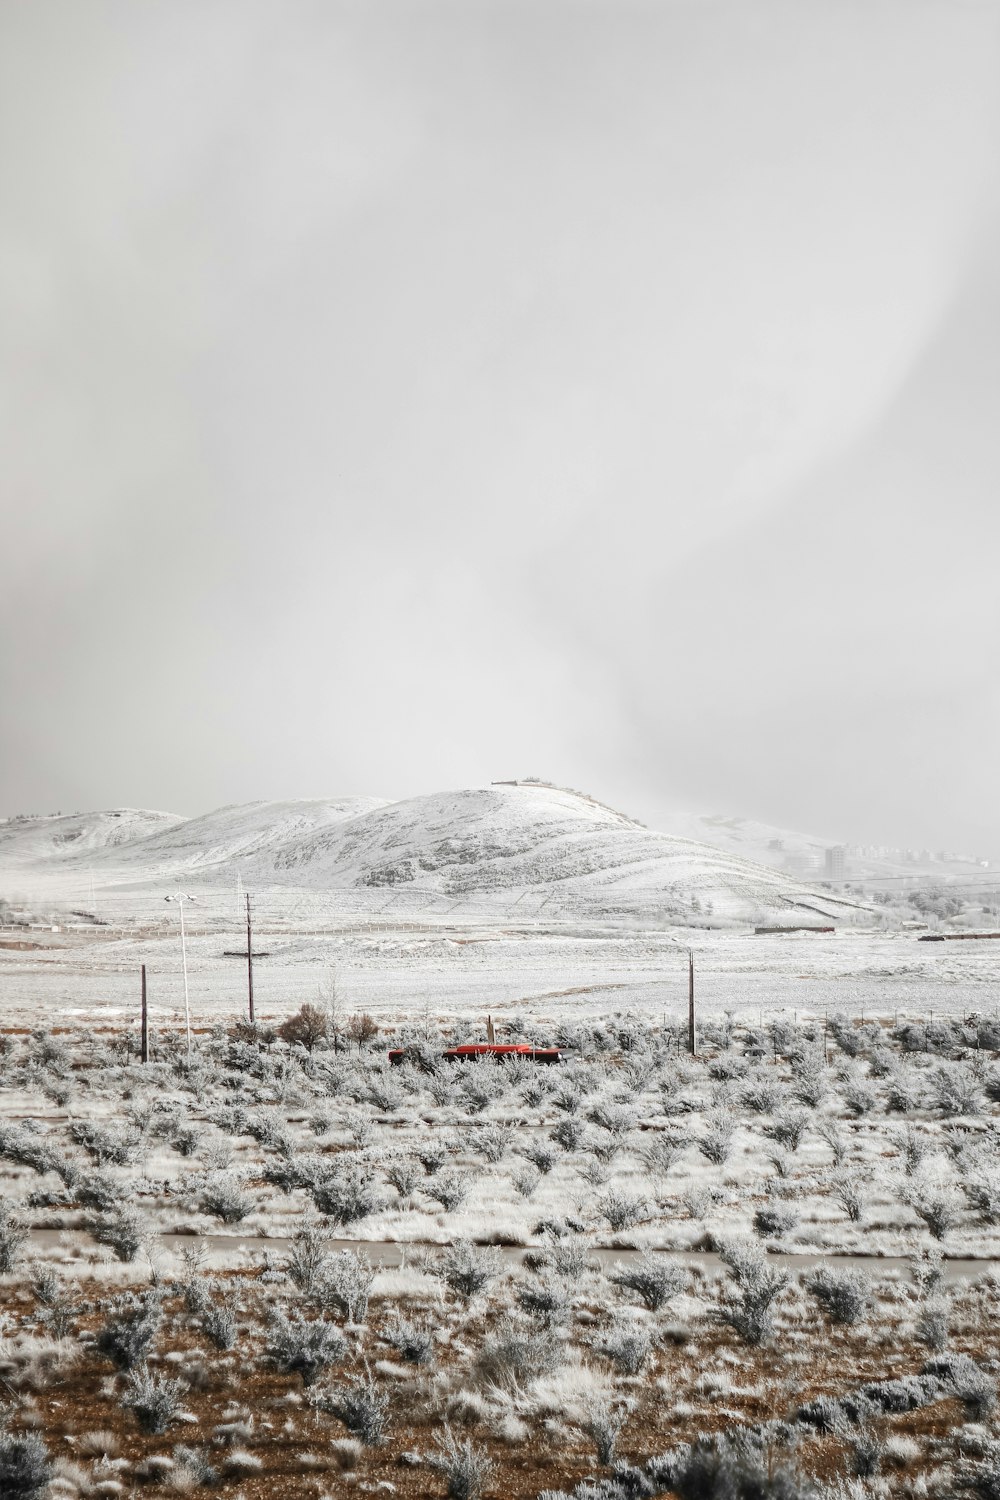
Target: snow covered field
(510,898)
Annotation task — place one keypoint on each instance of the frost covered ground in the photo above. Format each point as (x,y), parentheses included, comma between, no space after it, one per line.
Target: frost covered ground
(414,964)
(297,1369)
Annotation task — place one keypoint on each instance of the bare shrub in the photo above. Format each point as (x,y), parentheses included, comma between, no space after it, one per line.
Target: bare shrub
(932,1324)
(305,1028)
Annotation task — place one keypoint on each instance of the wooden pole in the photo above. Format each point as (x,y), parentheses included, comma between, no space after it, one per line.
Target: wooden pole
(249,963)
(144,1030)
(692,1034)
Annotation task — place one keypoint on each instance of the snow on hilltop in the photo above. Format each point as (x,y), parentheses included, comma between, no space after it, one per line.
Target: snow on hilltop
(499,843)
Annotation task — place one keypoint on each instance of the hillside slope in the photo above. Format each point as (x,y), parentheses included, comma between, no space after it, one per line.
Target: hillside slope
(508,839)
(32,841)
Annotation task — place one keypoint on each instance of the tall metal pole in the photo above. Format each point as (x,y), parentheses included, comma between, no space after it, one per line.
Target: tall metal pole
(249,963)
(145,1020)
(692,1035)
(184,962)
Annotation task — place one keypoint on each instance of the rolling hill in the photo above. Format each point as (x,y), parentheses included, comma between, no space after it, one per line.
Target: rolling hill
(495,844)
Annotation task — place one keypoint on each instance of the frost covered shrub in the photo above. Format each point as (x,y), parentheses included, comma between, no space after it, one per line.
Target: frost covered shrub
(983,1194)
(525,1181)
(22,1147)
(976,1390)
(403,1174)
(124,1229)
(296,1346)
(346,1194)
(512,1355)
(25,1468)
(774,1220)
(859,1097)
(360,1405)
(654,1278)
(127,1335)
(834,1137)
(345,1284)
(432,1156)
(13,1233)
(450,1188)
(845,1296)
(603,1424)
(547,1299)
(568,1133)
(411,1341)
(750,1309)
(467,1468)
(955,1091)
(154,1400)
(663,1153)
(716,1143)
(540,1155)
(762,1097)
(492,1141)
(108,1144)
(627,1344)
(620,1209)
(788,1128)
(308,1259)
(939,1207)
(809,1085)
(468,1269)
(847,1190)
(224,1198)
(219,1324)
(98,1189)
(932,1325)
(716,1468)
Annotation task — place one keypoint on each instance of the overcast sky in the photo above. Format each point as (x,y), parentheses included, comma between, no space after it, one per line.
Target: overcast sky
(399,395)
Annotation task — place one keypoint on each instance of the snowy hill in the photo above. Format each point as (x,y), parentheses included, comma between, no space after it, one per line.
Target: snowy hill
(497,844)
(232,836)
(33,841)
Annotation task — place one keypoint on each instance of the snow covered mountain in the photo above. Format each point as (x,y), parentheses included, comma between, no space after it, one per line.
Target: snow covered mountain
(498,843)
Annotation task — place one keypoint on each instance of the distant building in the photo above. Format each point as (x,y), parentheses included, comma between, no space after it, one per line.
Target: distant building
(834,862)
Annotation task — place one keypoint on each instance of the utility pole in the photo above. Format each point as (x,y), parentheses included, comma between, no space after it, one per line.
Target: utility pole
(144,1029)
(249,963)
(692,1034)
